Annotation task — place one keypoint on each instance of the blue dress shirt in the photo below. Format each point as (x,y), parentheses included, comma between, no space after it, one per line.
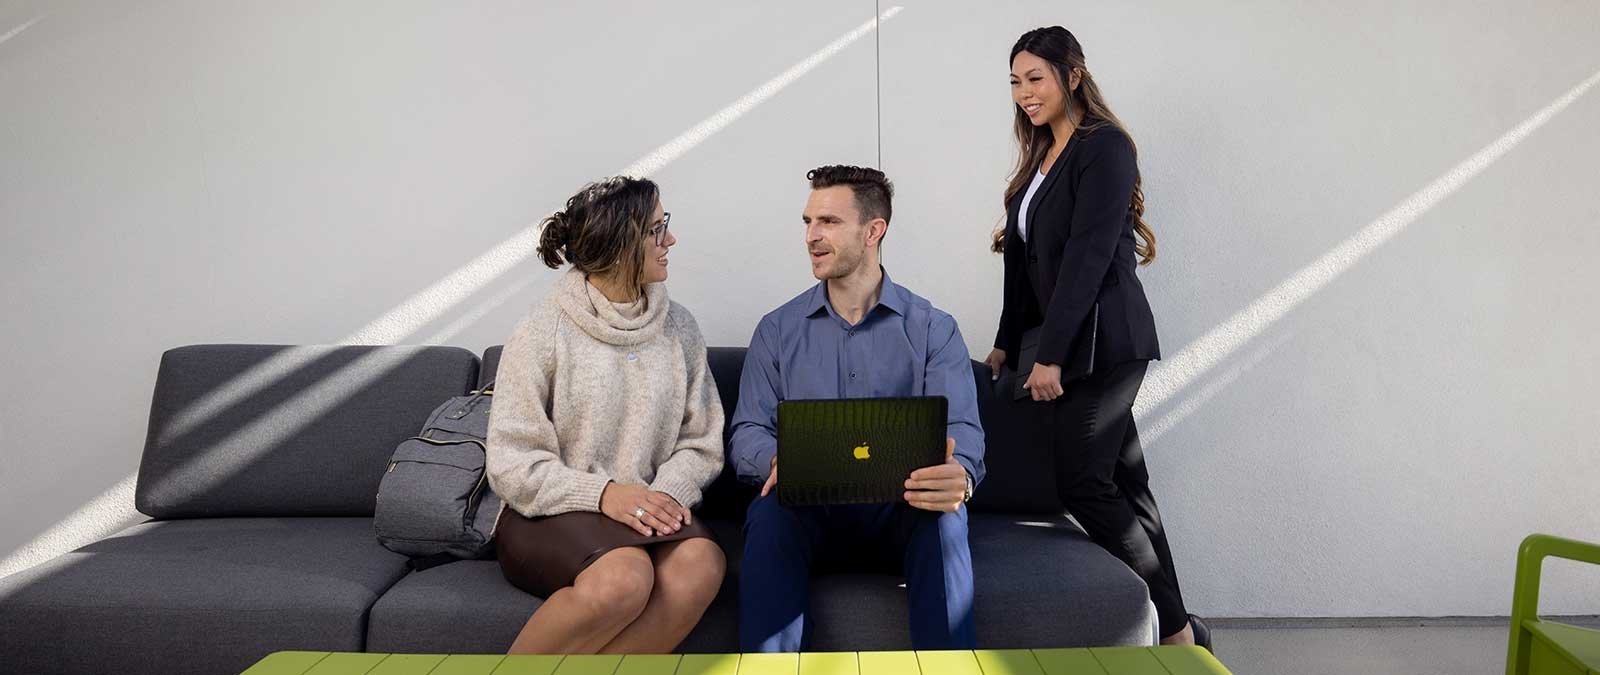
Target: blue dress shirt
(805,350)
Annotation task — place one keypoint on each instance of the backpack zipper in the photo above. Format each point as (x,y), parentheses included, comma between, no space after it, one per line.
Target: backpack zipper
(431,441)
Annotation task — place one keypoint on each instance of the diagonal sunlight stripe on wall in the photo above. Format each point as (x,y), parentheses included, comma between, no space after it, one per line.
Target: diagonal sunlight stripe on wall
(108,513)
(684,142)
(18,30)
(113,510)
(1171,376)
(430,303)
(477,313)
(1194,402)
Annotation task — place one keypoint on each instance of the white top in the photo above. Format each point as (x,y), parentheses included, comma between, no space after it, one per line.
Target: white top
(1022,213)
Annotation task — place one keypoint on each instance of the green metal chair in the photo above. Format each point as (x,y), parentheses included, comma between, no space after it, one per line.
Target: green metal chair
(1545,647)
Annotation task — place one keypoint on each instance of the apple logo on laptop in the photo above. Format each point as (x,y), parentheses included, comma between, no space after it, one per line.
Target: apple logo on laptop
(863,451)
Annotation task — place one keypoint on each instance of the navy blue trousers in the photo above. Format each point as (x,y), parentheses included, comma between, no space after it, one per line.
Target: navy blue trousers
(782,545)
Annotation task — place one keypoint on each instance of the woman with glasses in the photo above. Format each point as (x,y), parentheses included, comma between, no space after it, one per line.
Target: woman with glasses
(1075,323)
(606,428)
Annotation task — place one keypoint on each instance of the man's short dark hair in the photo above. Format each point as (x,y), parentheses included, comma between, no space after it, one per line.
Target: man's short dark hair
(873,191)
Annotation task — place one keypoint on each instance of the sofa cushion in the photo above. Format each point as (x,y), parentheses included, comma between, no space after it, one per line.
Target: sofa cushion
(469,607)
(464,607)
(253,430)
(1037,583)
(196,596)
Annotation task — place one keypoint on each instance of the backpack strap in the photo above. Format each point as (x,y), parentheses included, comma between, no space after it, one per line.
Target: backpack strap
(471,401)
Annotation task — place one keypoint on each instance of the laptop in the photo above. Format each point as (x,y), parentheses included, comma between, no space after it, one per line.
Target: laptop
(857,450)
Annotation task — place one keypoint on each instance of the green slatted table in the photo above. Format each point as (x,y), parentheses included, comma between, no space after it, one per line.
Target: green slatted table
(1095,661)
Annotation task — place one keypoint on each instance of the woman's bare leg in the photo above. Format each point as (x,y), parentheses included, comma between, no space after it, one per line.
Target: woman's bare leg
(580,619)
(688,575)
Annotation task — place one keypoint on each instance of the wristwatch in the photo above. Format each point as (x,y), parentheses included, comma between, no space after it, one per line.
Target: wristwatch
(968,496)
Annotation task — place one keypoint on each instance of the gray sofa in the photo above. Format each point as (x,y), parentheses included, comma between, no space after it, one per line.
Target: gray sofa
(260,534)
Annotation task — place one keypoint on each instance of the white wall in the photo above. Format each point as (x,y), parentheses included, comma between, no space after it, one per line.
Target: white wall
(1362,409)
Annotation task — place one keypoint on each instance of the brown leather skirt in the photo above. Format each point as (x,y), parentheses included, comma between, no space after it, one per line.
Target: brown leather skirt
(544,555)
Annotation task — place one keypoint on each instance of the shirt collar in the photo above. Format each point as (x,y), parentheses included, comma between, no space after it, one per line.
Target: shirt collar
(891,296)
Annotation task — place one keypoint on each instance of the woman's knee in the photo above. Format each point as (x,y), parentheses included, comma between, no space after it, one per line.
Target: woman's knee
(695,567)
(619,584)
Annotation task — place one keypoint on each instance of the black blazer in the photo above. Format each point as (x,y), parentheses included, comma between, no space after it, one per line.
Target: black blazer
(1080,249)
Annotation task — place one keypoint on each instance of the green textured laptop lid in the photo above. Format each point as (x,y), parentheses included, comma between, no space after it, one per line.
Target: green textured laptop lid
(856,451)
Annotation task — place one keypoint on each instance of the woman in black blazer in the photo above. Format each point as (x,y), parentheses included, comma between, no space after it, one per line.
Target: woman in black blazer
(1074,227)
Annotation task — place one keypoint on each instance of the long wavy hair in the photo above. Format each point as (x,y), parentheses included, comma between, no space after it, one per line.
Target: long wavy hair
(1058,47)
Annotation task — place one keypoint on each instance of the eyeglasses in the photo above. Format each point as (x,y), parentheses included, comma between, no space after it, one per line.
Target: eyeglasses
(660,230)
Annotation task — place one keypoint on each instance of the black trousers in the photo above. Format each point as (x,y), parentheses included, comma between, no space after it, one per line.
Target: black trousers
(1102,480)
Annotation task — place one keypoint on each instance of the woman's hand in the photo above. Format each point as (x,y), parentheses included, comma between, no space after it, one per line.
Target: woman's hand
(996,360)
(649,513)
(1045,382)
(674,507)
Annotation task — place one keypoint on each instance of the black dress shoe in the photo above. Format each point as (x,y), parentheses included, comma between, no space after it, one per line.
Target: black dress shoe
(1202,633)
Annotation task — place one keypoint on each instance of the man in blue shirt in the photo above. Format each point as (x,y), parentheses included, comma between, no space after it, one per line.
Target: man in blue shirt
(856,334)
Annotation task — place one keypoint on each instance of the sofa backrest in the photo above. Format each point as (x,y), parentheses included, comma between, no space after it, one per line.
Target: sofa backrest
(491,364)
(260,430)
(1020,473)
(727,497)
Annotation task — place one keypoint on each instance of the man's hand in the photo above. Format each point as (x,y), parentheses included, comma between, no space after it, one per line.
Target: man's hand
(772,478)
(649,513)
(941,487)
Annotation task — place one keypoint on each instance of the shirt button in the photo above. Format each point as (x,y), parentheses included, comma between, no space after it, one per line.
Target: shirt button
(852,374)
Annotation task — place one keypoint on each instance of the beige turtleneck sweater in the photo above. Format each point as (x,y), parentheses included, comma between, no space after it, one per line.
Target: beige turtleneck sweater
(589,391)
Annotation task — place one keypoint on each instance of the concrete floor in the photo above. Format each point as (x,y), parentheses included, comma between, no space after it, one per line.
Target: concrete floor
(1401,646)
(1378,650)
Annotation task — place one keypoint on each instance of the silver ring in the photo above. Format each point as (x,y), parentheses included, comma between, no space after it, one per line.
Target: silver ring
(639,512)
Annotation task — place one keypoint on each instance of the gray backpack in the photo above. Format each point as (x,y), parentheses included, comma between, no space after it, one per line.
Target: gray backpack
(434,502)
